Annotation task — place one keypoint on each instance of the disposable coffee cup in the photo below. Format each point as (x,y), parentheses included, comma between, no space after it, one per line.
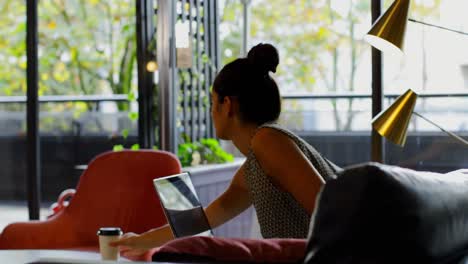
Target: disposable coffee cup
(106,235)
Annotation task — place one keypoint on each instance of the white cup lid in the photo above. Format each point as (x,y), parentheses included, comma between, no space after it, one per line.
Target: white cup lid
(109,231)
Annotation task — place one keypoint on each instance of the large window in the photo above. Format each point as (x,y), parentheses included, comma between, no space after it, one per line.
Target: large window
(324,65)
(12,112)
(87,91)
(87,67)
(325,75)
(434,64)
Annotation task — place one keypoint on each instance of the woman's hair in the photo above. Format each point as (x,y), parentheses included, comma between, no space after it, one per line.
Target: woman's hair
(248,80)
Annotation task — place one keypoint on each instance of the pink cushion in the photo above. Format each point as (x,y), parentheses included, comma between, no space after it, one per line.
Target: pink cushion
(235,249)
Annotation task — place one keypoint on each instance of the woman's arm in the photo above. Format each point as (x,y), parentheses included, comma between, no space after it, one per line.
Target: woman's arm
(231,203)
(228,205)
(286,165)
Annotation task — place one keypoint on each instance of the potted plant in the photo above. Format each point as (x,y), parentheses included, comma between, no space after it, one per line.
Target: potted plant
(207,161)
(205,151)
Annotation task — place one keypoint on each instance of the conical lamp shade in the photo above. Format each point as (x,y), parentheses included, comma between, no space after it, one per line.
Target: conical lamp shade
(388,32)
(393,122)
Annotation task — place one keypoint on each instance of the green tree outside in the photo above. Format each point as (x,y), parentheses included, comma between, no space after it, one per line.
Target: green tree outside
(321,44)
(85,47)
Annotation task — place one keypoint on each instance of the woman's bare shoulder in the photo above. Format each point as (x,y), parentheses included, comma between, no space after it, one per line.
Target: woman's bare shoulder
(270,146)
(269,135)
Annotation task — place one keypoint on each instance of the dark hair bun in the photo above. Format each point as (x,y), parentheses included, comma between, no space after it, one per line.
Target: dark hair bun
(265,57)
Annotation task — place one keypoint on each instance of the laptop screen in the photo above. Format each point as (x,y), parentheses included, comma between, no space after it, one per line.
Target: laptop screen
(181,205)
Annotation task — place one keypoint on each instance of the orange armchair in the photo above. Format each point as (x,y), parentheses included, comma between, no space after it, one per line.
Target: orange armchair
(115,190)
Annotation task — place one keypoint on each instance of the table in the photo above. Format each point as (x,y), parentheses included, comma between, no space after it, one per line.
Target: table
(69,257)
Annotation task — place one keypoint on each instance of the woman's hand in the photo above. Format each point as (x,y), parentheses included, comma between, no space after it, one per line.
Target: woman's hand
(131,245)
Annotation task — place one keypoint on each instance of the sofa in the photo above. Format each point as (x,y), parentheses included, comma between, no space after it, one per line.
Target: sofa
(371,213)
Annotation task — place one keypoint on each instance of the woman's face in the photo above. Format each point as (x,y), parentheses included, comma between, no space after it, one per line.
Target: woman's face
(220,115)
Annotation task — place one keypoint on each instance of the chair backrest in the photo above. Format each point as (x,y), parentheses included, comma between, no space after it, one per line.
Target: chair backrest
(117,190)
(375,213)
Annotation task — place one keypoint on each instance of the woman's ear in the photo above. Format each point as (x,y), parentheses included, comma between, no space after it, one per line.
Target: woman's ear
(229,106)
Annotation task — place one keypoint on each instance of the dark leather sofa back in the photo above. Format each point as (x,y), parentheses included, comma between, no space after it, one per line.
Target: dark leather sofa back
(374,213)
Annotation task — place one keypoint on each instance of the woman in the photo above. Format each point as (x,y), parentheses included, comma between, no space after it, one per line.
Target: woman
(282,174)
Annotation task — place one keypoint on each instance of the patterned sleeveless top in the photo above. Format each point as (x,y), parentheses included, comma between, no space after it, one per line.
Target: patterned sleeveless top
(279,214)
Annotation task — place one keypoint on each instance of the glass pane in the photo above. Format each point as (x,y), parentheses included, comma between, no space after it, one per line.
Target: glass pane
(317,120)
(434,64)
(322,54)
(88,86)
(13,206)
(230,30)
(428,148)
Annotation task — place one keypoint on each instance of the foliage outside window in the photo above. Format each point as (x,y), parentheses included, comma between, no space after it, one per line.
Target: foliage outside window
(322,51)
(13,48)
(88,48)
(85,48)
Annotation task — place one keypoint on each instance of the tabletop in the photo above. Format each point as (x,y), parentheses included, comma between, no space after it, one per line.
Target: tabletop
(54,256)
(67,257)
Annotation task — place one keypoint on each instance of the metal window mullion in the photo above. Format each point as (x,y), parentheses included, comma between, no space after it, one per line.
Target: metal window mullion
(185,114)
(206,65)
(190,110)
(184,86)
(196,108)
(141,51)
(377,143)
(167,75)
(145,29)
(32,112)
(173,98)
(217,48)
(150,84)
(213,57)
(196,68)
(187,105)
(209,78)
(140,40)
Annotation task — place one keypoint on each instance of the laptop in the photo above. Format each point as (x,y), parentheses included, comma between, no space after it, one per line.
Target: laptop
(181,205)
